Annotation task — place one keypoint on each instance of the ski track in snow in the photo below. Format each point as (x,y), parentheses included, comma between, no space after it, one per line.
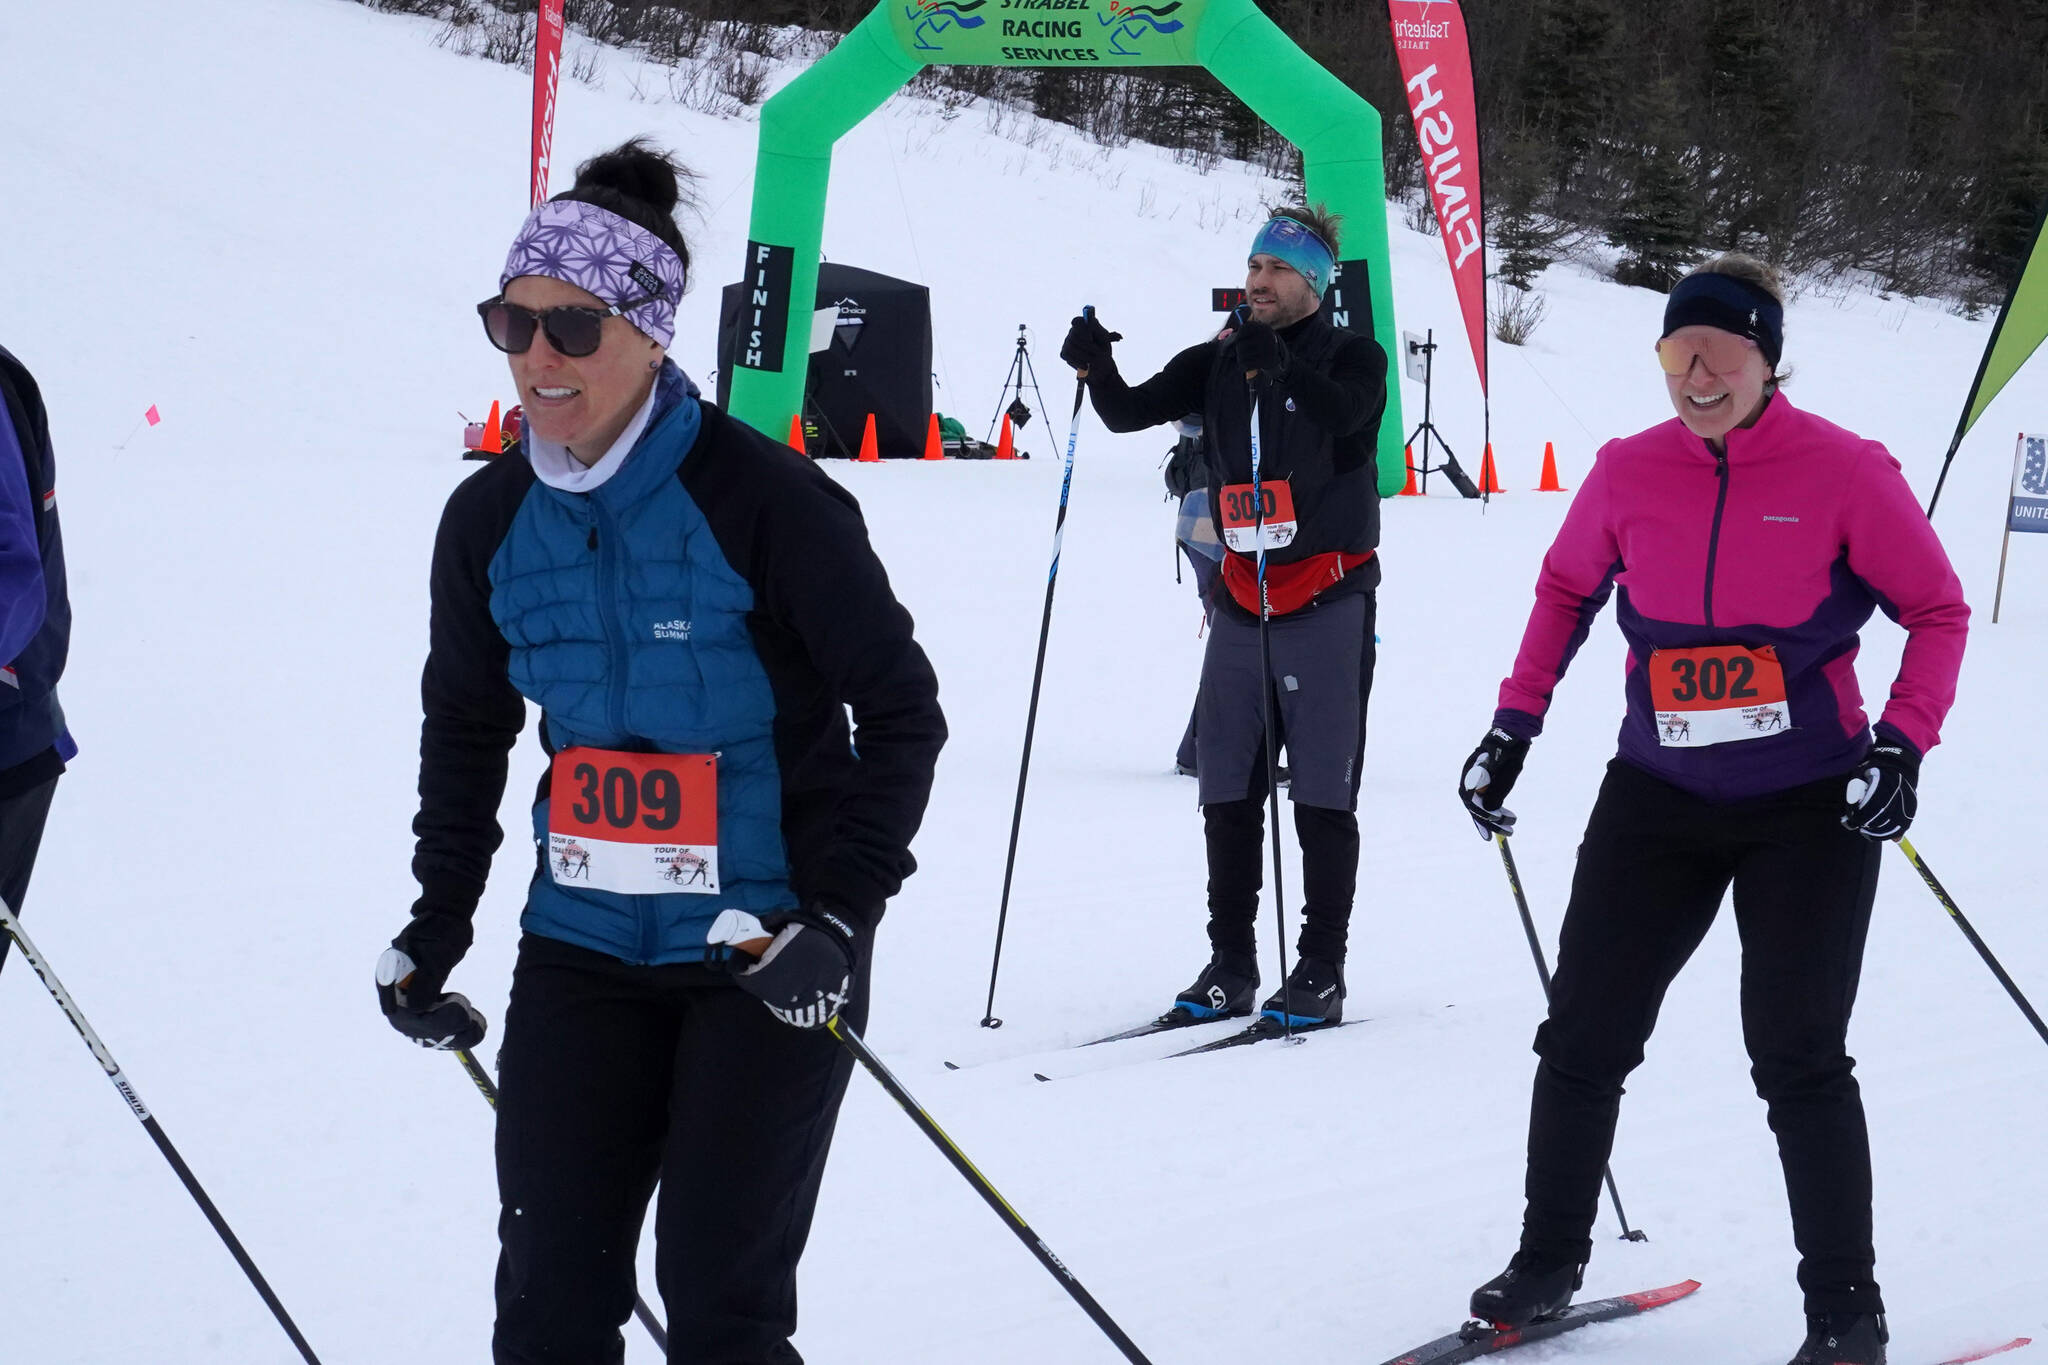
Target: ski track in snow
(272,217)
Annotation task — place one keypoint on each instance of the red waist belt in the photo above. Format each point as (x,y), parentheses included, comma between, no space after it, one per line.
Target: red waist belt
(1290,587)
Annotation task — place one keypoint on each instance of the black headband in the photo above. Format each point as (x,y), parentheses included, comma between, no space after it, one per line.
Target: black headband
(1709,299)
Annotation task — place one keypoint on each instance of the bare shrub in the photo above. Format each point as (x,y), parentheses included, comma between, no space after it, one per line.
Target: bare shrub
(743,79)
(699,86)
(1516,313)
(1421,215)
(476,29)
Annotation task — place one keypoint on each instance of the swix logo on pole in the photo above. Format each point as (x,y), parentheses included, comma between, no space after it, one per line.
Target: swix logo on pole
(547,70)
(1436,63)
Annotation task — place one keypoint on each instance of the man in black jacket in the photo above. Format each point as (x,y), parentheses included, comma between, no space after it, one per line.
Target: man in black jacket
(1318,393)
(35,631)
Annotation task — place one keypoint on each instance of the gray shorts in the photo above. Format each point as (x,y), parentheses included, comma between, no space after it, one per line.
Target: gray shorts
(1323,658)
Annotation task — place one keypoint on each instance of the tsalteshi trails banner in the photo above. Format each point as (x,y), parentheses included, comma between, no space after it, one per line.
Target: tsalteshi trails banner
(1436,64)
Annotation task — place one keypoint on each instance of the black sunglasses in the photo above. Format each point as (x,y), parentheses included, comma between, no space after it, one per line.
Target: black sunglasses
(572,330)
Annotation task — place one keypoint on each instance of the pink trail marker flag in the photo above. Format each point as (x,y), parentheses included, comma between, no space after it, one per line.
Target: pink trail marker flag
(152,416)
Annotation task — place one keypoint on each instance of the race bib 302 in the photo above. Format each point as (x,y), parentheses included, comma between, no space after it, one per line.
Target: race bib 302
(1717,694)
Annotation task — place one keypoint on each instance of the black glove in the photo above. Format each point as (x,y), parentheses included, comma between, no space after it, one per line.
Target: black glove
(1087,346)
(410,976)
(1882,802)
(1260,348)
(1487,778)
(805,975)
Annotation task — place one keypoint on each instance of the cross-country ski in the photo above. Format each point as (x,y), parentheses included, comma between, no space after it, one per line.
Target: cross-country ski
(2012,1345)
(1475,1340)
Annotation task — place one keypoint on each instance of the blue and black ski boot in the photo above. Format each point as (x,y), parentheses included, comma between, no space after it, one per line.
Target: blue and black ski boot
(1224,990)
(1314,995)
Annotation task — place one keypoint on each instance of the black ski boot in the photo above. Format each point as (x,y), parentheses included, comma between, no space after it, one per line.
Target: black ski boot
(1314,995)
(1528,1289)
(1224,990)
(1843,1339)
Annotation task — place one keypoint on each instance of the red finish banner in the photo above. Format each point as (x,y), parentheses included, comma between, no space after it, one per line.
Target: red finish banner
(1436,63)
(547,71)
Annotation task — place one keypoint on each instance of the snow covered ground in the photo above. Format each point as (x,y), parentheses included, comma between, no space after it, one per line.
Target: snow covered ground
(272,217)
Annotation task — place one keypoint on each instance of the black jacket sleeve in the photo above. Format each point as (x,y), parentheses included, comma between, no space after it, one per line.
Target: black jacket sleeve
(473,714)
(1347,397)
(1174,392)
(833,638)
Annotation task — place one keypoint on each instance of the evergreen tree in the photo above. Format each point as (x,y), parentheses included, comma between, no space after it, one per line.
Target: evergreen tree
(1656,222)
(1522,248)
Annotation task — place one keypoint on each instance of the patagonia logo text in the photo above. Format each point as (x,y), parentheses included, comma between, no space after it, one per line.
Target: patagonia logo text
(1771,518)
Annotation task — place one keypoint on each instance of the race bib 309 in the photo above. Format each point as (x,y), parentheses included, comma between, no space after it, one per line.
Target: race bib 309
(635,824)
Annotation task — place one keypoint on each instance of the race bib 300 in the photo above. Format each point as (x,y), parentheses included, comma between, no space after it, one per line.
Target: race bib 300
(1239,515)
(635,824)
(1717,694)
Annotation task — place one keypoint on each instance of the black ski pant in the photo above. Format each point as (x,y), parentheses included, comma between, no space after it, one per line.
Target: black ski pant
(613,1077)
(1651,875)
(1321,686)
(1235,833)
(22,817)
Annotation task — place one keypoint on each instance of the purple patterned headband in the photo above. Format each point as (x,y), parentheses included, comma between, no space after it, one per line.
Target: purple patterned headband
(598,251)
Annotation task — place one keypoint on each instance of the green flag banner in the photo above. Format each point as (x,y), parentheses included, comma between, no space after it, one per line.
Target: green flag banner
(2021,327)
(1337,131)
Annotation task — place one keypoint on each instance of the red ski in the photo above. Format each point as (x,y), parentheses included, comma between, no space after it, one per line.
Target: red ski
(2012,1345)
(1476,1339)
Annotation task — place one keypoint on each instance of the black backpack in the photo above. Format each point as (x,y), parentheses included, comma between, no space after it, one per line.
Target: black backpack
(1187,467)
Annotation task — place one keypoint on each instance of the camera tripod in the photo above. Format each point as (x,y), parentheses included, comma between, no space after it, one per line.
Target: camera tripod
(1428,429)
(1021,375)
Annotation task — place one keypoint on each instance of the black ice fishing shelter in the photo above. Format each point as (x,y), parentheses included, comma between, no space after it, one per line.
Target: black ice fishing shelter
(871,352)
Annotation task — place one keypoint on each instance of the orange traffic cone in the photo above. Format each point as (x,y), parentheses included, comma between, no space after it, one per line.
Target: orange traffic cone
(494,434)
(932,449)
(1408,452)
(1549,483)
(796,435)
(869,453)
(1489,477)
(1006,444)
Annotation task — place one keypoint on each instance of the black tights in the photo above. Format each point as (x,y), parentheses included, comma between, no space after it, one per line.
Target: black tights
(1235,831)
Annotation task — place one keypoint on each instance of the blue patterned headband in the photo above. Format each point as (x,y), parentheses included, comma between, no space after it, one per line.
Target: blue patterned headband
(1296,243)
(599,252)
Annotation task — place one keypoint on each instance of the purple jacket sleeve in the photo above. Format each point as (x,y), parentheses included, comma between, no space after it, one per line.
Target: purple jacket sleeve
(1893,549)
(1576,578)
(23,596)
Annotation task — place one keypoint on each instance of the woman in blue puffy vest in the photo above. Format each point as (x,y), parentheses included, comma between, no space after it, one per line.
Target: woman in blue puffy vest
(695,609)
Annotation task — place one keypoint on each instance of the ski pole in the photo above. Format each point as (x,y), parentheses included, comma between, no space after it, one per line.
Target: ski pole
(988,1014)
(1507,858)
(1927,875)
(1266,703)
(489,1089)
(1036,1245)
(13,929)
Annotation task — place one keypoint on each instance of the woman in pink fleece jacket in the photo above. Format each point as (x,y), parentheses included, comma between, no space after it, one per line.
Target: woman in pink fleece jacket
(1749,542)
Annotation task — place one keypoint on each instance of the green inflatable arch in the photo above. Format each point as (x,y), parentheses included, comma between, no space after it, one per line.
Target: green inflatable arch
(1337,131)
